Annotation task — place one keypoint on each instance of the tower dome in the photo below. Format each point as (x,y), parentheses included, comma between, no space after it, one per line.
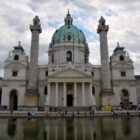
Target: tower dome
(68,33)
(68,44)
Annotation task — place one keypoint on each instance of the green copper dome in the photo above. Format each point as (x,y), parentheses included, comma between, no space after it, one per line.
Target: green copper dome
(68,33)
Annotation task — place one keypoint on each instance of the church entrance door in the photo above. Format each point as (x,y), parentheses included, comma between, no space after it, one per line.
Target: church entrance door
(69,100)
(13,100)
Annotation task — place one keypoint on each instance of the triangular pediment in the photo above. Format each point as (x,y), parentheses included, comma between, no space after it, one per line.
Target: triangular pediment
(70,72)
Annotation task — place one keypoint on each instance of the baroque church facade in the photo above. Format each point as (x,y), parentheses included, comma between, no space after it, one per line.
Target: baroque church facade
(68,80)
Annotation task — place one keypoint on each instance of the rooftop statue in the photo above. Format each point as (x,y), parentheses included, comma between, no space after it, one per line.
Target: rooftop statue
(102,21)
(36,20)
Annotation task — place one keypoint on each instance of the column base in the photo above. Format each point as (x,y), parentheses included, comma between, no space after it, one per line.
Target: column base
(107,97)
(31,99)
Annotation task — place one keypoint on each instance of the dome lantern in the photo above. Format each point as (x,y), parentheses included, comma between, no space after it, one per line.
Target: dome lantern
(68,19)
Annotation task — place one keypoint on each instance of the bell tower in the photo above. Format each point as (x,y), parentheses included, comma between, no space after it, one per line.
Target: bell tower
(32,87)
(106,91)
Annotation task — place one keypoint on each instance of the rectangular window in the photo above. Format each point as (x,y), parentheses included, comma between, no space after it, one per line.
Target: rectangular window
(92,73)
(15,73)
(123,73)
(46,74)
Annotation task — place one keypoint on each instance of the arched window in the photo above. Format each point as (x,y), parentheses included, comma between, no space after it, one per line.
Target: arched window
(125,93)
(13,100)
(124,99)
(93,90)
(69,56)
(121,58)
(45,90)
(16,57)
(69,37)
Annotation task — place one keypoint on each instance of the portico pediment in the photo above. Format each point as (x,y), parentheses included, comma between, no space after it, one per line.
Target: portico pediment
(70,72)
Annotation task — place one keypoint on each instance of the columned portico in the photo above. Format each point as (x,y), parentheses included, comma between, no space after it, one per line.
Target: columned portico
(69,93)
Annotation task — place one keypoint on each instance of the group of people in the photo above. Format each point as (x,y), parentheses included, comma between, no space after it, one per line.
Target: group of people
(30,114)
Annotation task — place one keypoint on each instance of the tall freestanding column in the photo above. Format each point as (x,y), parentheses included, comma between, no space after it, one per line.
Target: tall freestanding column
(32,90)
(106,91)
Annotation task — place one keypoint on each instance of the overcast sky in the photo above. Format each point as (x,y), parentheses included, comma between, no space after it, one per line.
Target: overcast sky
(122,16)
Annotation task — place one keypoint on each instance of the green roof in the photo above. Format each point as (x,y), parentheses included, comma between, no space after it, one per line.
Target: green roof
(68,33)
(61,34)
(118,48)
(19,47)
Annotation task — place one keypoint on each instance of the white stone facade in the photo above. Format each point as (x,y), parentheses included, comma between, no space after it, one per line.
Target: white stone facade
(69,80)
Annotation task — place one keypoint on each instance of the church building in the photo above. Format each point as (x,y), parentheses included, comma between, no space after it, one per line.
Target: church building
(68,81)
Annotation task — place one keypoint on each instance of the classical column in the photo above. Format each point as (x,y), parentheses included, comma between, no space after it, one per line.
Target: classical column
(64,94)
(83,94)
(75,94)
(49,92)
(105,68)
(90,94)
(32,94)
(33,67)
(56,94)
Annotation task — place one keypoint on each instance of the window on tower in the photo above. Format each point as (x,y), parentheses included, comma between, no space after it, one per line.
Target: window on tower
(123,73)
(46,73)
(52,58)
(69,56)
(93,90)
(68,21)
(121,58)
(45,90)
(15,73)
(92,73)
(16,57)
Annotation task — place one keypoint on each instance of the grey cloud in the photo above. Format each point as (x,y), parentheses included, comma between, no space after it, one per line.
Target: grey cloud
(131,34)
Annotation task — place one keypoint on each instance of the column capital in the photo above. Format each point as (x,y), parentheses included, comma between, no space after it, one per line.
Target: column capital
(36,25)
(102,26)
